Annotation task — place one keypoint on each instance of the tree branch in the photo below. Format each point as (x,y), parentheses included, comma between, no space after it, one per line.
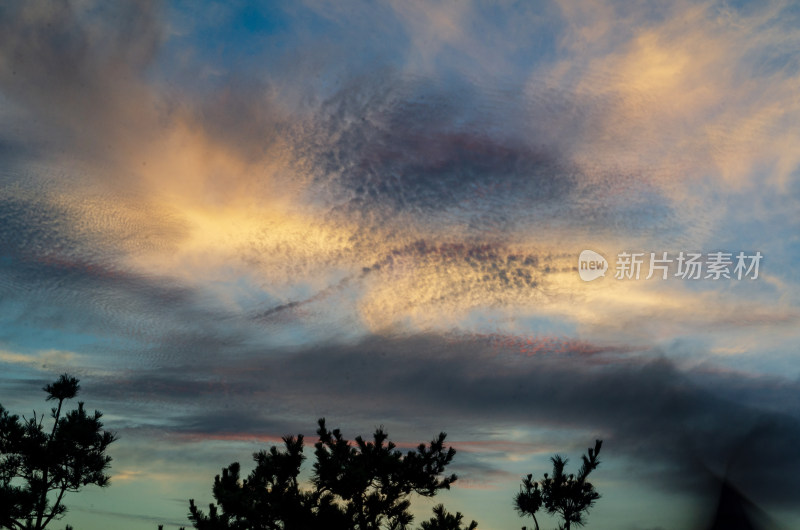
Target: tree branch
(56,504)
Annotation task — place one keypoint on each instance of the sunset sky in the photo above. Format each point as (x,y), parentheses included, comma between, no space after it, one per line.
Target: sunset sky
(229,219)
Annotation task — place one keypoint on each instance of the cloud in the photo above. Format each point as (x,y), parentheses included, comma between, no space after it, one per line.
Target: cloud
(53,360)
(686,89)
(459,194)
(78,66)
(646,410)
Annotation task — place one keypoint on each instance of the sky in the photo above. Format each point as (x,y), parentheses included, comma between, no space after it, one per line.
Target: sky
(230,219)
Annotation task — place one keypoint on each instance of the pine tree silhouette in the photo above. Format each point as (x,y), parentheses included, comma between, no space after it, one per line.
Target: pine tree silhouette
(358,485)
(35,463)
(567,495)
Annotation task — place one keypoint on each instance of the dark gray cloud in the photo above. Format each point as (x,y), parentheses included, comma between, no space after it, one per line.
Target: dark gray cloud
(680,433)
(75,67)
(427,147)
(455,153)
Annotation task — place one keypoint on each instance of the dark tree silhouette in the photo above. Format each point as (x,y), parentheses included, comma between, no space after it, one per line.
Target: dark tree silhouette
(36,465)
(269,498)
(568,496)
(442,520)
(357,485)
